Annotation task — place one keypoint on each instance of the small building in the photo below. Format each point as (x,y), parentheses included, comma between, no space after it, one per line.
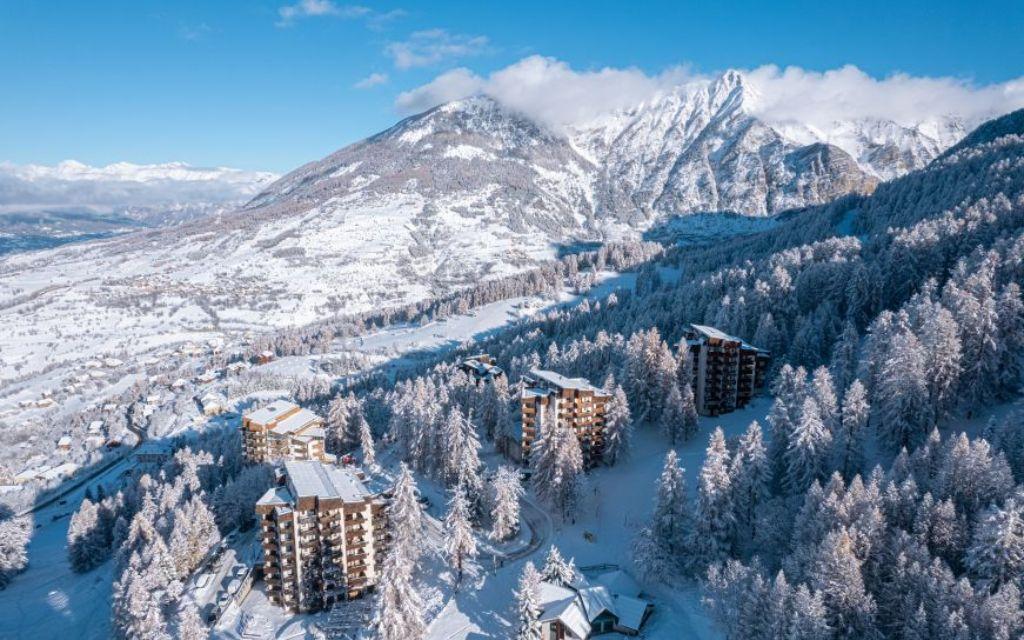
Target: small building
(482,368)
(283,431)
(95,428)
(265,357)
(60,471)
(607,603)
(64,444)
(726,370)
(324,536)
(213,404)
(152,452)
(576,403)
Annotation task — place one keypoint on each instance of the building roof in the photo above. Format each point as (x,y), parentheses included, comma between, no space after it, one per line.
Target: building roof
(296,422)
(577,607)
(712,332)
(308,478)
(563,382)
(272,411)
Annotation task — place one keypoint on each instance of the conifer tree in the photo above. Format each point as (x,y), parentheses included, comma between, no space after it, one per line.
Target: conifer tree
(459,544)
(366,444)
(557,570)
(714,524)
(751,479)
(618,427)
(671,522)
(809,447)
(508,490)
(849,441)
(528,607)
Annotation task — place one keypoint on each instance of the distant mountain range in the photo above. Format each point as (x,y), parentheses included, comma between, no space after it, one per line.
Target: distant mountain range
(43,206)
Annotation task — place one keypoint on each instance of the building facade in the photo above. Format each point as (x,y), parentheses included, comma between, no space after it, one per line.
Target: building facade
(726,370)
(577,403)
(283,431)
(324,536)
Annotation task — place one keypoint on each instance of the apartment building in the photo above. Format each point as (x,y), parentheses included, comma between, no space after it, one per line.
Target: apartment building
(324,536)
(576,402)
(482,368)
(726,370)
(283,431)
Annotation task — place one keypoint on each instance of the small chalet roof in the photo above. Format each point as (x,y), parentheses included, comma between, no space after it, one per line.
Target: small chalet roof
(272,411)
(307,478)
(570,614)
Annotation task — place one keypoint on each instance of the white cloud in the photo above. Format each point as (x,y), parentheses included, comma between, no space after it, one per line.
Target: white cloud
(818,98)
(313,8)
(424,48)
(71,184)
(372,80)
(552,93)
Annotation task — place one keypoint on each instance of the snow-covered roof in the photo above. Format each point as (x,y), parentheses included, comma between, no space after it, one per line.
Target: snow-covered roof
(569,612)
(308,478)
(59,471)
(272,411)
(296,422)
(712,332)
(630,611)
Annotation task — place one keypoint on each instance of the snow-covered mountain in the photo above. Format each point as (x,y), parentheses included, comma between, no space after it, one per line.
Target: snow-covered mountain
(466,191)
(700,147)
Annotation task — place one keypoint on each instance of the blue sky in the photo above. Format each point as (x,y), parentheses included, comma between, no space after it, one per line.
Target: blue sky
(271,85)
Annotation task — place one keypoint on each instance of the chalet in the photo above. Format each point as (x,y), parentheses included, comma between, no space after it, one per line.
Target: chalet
(482,368)
(324,536)
(64,444)
(283,431)
(213,404)
(575,401)
(726,370)
(610,602)
(265,357)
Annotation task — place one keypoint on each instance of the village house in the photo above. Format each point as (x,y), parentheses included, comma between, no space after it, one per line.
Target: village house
(607,603)
(482,368)
(324,536)
(576,403)
(726,370)
(283,431)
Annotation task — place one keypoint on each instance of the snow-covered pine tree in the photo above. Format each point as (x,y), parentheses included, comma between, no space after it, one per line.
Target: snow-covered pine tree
(844,356)
(673,417)
(751,479)
(557,462)
(849,440)
(940,341)
(808,618)
(366,445)
(1010,323)
(400,611)
(996,553)
(528,607)
(689,412)
(508,490)
(14,536)
(459,543)
(714,525)
(824,393)
(836,575)
(671,521)
(189,625)
(337,425)
(405,516)
(810,446)
(618,427)
(88,544)
(557,570)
